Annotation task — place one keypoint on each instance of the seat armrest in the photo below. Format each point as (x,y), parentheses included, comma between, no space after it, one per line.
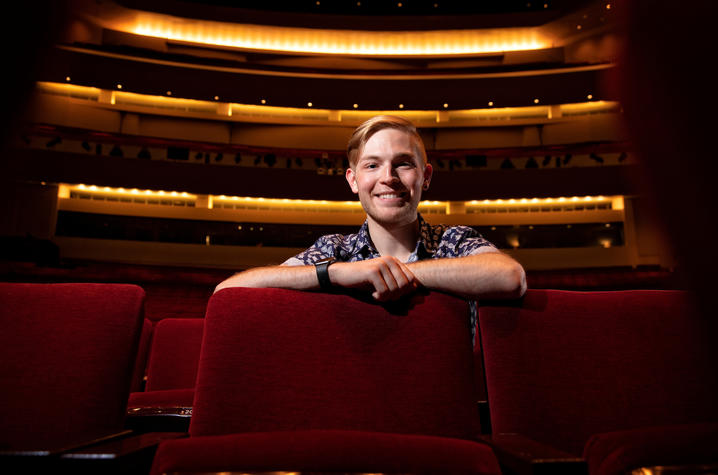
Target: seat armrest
(122,452)
(158,419)
(520,455)
(132,454)
(707,469)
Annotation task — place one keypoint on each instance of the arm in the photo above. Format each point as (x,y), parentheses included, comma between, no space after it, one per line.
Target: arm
(284,277)
(486,275)
(385,277)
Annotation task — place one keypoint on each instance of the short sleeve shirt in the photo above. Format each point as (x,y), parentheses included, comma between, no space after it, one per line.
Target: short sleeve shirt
(435,242)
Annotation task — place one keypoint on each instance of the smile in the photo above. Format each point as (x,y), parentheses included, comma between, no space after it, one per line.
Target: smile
(390,196)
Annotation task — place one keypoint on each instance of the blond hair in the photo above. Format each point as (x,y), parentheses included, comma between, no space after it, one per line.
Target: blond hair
(364,132)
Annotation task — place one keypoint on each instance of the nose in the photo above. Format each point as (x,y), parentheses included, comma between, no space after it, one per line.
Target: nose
(389,174)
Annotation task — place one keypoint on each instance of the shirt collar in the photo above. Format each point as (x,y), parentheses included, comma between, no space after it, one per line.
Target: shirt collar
(425,245)
(363,244)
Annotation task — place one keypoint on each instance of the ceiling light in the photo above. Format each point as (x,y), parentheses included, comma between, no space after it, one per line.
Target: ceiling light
(309,104)
(536,101)
(67,78)
(332,41)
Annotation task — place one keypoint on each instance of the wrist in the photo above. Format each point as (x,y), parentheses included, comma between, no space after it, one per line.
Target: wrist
(322,270)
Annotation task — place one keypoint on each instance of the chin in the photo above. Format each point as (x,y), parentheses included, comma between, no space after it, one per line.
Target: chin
(399,217)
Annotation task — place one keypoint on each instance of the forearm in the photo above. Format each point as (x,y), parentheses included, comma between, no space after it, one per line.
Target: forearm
(487,275)
(284,277)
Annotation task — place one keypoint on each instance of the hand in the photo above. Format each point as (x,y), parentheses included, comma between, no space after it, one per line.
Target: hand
(386,277)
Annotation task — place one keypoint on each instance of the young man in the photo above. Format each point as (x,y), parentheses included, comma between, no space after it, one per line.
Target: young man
(395,252)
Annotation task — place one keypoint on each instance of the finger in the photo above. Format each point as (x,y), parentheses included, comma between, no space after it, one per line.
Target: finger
(383,282)
(399,279)
(409,275)
(392,274)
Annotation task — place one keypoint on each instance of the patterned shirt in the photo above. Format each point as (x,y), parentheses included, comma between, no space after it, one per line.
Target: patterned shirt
(435,242)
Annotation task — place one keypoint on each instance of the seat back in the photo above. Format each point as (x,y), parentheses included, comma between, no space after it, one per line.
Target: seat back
(275,359)
(68,352)
(562,365)
(174,354)
(140,372)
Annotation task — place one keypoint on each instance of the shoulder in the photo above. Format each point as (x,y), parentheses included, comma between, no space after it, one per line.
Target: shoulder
(329,245)
(458,241)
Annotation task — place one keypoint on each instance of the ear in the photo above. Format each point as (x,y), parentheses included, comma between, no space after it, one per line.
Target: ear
(428,171)
(351,179)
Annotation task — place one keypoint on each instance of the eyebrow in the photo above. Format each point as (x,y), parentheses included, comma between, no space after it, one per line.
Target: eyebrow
(395,157)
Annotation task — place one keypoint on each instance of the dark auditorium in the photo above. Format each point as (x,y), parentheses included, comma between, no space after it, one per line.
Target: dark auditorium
(354,237)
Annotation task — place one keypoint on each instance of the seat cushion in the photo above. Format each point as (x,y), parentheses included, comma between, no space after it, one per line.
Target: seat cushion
(332,451)
(165,398)
(614,453)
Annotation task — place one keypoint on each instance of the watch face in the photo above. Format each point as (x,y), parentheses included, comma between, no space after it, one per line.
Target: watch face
(326,260)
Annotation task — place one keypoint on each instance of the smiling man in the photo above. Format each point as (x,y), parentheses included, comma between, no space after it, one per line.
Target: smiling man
(395,251)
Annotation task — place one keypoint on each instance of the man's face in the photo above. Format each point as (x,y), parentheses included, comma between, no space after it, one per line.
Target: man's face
(389,176)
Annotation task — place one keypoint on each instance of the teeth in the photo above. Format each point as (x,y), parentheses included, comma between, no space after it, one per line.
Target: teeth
(388,196)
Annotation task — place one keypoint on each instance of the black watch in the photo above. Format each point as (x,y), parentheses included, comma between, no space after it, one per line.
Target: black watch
(322,267)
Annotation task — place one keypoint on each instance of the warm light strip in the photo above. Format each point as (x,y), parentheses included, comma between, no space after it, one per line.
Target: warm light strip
(106,190)
(542,201)
(124,97)
(617,201)
(337,42)
(276,202)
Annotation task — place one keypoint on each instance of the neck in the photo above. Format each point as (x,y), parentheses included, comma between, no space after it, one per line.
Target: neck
(395,240)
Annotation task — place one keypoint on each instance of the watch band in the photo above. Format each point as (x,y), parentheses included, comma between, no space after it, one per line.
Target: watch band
(322,267)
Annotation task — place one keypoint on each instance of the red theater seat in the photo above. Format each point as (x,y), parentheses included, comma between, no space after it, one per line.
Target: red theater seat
(174,354)
(634,371)
(68,352)
(166,402)
(293,380)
